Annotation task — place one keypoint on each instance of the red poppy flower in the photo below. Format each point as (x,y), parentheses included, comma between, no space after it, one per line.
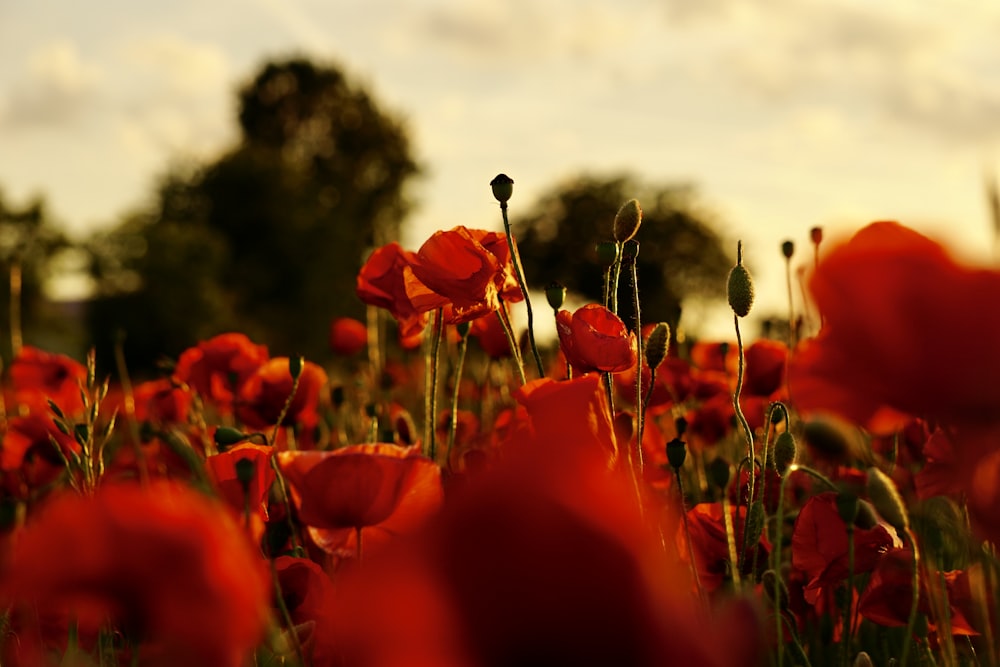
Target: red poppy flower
(307,593)
(572,413)
(715,356)
(889,594)
(595,339)
(161,401)
(348,336)
(215,368)
(764,368)
(468,268)
(170,569)
(706,525)
(383,488)
(489,332)
(250,499)
(263,395)
(890,300)
(819,545)
(37,376)
(28,454)
(382,283)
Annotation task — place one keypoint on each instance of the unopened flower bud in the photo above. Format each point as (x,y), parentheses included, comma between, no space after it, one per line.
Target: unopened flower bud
(886,499)
(862,659)
(740,290)
(463,328)
(784,452)
(848,507)
(607,253)
(555,293)
(755,523)
(627,220)
(503,187)
(657,345)
(816,235)
(226,436)
(681,424)
(718,472)
(295,366)
(676,453)
(788,249)
(630,251)
(244,473)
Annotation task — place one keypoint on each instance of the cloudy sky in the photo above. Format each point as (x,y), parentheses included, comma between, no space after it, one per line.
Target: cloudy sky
(786,114)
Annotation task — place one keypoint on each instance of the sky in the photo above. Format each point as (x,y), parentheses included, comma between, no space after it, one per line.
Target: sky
(784,114)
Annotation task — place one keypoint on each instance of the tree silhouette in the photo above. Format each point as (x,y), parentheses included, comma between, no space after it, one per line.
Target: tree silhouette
(681,256)
(268,238)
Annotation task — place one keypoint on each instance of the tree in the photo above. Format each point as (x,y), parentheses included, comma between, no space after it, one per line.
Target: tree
(267,239)
(680,255)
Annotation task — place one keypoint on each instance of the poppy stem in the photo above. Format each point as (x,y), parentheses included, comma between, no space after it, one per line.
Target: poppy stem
(515,350)
(285,408)
(911,622)
(687,536)
(776,540)
(791,305)
(286,617)
(639,422)
(433,389)
(848,615)
(462,347)
(515,260)
(15,307)
(747,431)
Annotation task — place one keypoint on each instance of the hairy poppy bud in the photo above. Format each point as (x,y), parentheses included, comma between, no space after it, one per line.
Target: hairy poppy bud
(607,253)
(740,289)
(555,294)
(676,453)
(885,497)
(788,249)
(630,250)
(784,452)
(755,524)
(657,345)
(627,220)
(503,187)
(226,436)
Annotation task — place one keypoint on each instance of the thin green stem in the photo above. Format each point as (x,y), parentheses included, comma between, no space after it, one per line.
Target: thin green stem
(286,617)
(640,459)
(463,346)
(847,614)
(432,400)
(747,431)
(515,350)
(687,536)
(911,622)
(515,260)
(285,408)
(791,304)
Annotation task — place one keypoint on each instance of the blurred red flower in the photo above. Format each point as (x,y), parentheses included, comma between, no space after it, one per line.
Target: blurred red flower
(905,326)
(263,394)
(706,525)
(37,376)
(248,501)
(172,571)
(819,545)
(348,336)
(470,269)
(382,283)
(216,367)
(595,339)
(27,456)
(161,401)
(489,331)
(383,488)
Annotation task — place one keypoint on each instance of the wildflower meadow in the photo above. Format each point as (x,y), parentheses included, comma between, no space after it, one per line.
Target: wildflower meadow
(453,493)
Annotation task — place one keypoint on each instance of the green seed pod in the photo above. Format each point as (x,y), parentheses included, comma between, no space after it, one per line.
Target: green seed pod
(755,525)
(555,294)
(226,436)
(630,250)
(788,249)
(718,472)
(657,345)
(503,187)
(784,452)
(295,366)
(740,290)
(627,220)
(885,497)
(676,453)
(463,328)
(607,253)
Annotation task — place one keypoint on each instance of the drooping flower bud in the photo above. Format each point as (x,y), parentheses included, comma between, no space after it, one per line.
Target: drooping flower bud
(739,289)
(657,345)
(627,220)
(503,187)
(886,499)
(555,293)
(784,452)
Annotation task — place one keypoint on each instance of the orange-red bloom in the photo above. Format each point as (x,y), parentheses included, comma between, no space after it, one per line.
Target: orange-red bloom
(468,268)
(37,376)
(385,489)
(905,326)
(348,336)
(262,396)
(244,498)
(382,283)
(215,368)
(595,339)
(164,563)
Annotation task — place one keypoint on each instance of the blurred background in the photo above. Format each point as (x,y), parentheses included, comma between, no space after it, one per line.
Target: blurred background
(169,171)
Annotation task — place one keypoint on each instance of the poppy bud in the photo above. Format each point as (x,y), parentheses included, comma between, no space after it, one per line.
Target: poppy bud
(885,497)
(295,366)
(848,507)
(555,293)
(244,473)
(657,345)
(607,253)
(863,660)
(718,472)
(740,289)
(503,187)
(681,424)
(676,453)
(788,249)
(784,452)
(226,436)
(775,589)
(816,234)
(627,220)
(630,250)
(755,524)
(463,328)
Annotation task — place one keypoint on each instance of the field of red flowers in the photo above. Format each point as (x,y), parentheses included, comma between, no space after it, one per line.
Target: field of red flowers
(464,498)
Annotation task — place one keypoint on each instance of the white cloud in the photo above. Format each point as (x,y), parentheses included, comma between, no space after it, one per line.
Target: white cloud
(179,67)
(56,87)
